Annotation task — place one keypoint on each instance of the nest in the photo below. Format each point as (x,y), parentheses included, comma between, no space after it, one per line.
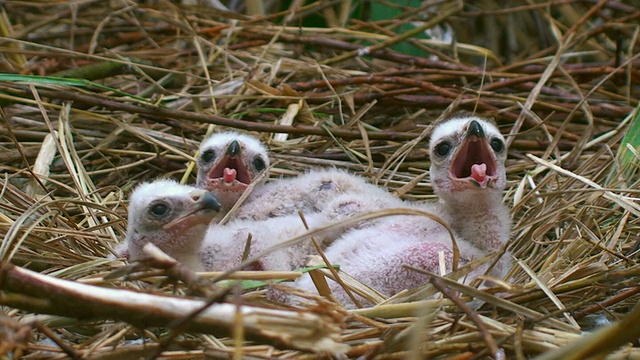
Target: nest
(99,96)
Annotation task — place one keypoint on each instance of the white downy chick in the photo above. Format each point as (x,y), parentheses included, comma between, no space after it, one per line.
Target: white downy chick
(309,192)
(468,174)
(172,216)
(228,162)
(224,245)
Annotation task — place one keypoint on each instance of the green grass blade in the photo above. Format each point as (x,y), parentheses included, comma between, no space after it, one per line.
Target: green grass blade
(256,284)
(60,81)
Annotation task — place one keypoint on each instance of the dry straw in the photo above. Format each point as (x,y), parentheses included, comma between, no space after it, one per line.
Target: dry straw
(99,95)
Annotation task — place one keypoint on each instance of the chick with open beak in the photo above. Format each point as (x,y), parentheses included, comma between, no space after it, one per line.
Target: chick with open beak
(474,156)
(228,163)
(468,174)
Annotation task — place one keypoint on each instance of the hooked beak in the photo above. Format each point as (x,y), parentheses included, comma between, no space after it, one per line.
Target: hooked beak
(475,129)
(203,208)
(234,148)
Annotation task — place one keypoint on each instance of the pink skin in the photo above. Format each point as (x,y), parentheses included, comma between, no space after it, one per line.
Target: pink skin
(376,255)
(479,174)
(228,179)
(423,255)
(229,175)
(474,164)
(236,178)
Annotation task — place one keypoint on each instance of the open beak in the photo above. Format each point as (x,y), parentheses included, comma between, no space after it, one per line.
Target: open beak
(474,163)
(230,172)
(203,208)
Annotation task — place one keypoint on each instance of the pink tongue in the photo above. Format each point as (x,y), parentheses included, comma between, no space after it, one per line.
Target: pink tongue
(229,175)
(479,172)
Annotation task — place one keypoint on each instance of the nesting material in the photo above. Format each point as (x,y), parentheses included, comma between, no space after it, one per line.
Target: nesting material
(132,89)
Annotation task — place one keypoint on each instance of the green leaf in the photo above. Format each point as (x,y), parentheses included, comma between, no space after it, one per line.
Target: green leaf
(256,284)
(60,81)
(383,11)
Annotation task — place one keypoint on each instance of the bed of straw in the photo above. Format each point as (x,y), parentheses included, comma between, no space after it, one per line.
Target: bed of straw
(98,96)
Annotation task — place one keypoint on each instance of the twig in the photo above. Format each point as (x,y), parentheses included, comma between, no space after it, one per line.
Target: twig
(611,301)
(601,342)
(328,263)
(305,331)
(51,335)
(329,43)
(157,112)
(496,353)
(156,258)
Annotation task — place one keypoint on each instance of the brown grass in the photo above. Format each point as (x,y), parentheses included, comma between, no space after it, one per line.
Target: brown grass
(561,79)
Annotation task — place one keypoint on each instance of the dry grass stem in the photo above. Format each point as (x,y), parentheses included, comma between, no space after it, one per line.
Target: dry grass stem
(98,96)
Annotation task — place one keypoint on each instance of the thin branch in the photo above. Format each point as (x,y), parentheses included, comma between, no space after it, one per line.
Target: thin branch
(298,330)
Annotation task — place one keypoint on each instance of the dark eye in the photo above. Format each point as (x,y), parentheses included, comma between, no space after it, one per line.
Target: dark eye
(258,163)
(497,145)
(443,149)
(208,155)
(160,209)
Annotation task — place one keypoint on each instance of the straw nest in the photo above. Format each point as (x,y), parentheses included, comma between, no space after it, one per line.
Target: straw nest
(559,78)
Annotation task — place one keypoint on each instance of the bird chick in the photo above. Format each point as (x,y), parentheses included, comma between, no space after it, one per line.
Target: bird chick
(309,192)
(468,174)
(224,245)
(172,216)
(228,163)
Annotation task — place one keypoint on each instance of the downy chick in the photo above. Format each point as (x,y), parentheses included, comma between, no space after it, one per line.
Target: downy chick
(468,174)
(172,216)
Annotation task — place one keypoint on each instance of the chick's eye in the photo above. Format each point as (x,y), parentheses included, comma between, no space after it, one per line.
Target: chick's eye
(160,209)
(497,145)
(208,155)
(259,164)
(443,149)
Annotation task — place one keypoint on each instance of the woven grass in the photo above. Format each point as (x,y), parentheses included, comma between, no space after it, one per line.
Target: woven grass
(560,78)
